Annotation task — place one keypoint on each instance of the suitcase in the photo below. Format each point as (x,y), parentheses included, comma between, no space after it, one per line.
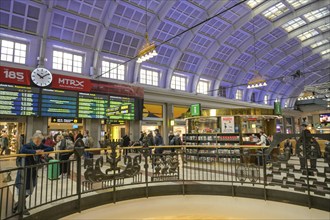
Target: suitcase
(53,169)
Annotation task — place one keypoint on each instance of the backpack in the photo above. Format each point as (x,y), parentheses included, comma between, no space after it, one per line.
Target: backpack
(88,141)
(175,141)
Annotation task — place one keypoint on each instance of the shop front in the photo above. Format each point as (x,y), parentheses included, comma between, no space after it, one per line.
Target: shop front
(229,126)
(14,128)
(152,117)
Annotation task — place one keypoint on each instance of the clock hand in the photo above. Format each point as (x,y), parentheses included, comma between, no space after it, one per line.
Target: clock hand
(45,75)
(41,77)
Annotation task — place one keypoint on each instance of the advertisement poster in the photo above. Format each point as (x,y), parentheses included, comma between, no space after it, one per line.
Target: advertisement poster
(227,124)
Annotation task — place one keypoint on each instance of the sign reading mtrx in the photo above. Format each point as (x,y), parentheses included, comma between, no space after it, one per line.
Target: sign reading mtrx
(71,83)
(66,120)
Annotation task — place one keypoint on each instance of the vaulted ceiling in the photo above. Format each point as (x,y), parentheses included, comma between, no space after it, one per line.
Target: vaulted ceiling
(274,37)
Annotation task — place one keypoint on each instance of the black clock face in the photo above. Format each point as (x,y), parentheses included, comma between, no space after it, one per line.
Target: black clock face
(41,77)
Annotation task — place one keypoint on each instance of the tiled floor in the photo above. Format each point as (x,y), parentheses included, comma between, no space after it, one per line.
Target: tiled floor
(199,207)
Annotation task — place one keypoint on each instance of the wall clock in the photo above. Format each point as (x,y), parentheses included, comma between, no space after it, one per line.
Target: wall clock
(41,77)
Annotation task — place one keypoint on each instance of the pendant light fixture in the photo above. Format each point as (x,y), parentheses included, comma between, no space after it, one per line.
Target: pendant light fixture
(257,81)
(148,50)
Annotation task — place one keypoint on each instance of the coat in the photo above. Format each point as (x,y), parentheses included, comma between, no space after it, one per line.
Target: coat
(31,174)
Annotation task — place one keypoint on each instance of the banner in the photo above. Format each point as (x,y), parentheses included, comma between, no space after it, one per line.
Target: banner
(227,124)
(14,76)
(277,108)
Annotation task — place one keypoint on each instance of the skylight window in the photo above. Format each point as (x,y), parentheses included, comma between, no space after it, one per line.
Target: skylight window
(320,43)
(203,87)
(266,99)
(307,34)
(179,83)
(317,14)
(149,77)
(67,61)
(298,3)
(325,51)
(113,70)
(275,11)
(324,27)
(12,51)
(254,3)
(239,94)
(293,24)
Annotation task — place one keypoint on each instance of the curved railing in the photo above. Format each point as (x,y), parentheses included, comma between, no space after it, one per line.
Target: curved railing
(112,176)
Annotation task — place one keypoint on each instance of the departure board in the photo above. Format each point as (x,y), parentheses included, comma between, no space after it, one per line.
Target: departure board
(121,108)
(58,103)
(18,100)
(92,105)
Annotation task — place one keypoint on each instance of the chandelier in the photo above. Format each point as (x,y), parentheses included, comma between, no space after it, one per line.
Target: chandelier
(257,81)
(306,96)
(148,50)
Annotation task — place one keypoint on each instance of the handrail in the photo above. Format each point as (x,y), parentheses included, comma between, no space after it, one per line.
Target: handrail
(140,147)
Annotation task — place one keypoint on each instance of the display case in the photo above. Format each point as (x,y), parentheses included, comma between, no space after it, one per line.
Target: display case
(220,139)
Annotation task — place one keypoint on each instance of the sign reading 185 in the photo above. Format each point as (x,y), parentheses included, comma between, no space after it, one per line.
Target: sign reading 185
(14,75)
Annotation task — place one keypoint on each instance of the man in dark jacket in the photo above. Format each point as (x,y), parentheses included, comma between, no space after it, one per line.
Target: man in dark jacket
(34,147)
(158,142)
(125,143)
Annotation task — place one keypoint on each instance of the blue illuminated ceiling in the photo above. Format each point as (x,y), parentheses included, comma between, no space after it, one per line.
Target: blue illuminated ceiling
(226,49)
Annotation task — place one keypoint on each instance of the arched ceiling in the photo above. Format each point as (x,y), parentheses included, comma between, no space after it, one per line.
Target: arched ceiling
(267,36)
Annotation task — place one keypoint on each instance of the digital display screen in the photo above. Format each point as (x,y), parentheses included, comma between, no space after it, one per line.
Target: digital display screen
(325,118)
(58,103)
(92,105)
(121,108)
(18,100)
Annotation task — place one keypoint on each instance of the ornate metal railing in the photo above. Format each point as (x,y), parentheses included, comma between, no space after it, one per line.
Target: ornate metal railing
(111,171)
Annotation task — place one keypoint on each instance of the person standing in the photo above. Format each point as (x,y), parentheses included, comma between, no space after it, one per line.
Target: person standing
(288,145)
(88,142)
(176,140)
(170,136)
(125,143)
(34,147)
(310,152)
(65,144)
(263,142)
(158,142)
(4,142)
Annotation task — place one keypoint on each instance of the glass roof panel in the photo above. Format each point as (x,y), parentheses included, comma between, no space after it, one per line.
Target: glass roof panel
(184,13)
(317,14)
(212,68)
(324,27)
(254,3)
(325,51)
(319,43)
(275,11)
(308,34)
(214,27)
(152,5)
(293,24)
(188,63)
(298,3)
(231,74)
(199,44)
(223,53)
